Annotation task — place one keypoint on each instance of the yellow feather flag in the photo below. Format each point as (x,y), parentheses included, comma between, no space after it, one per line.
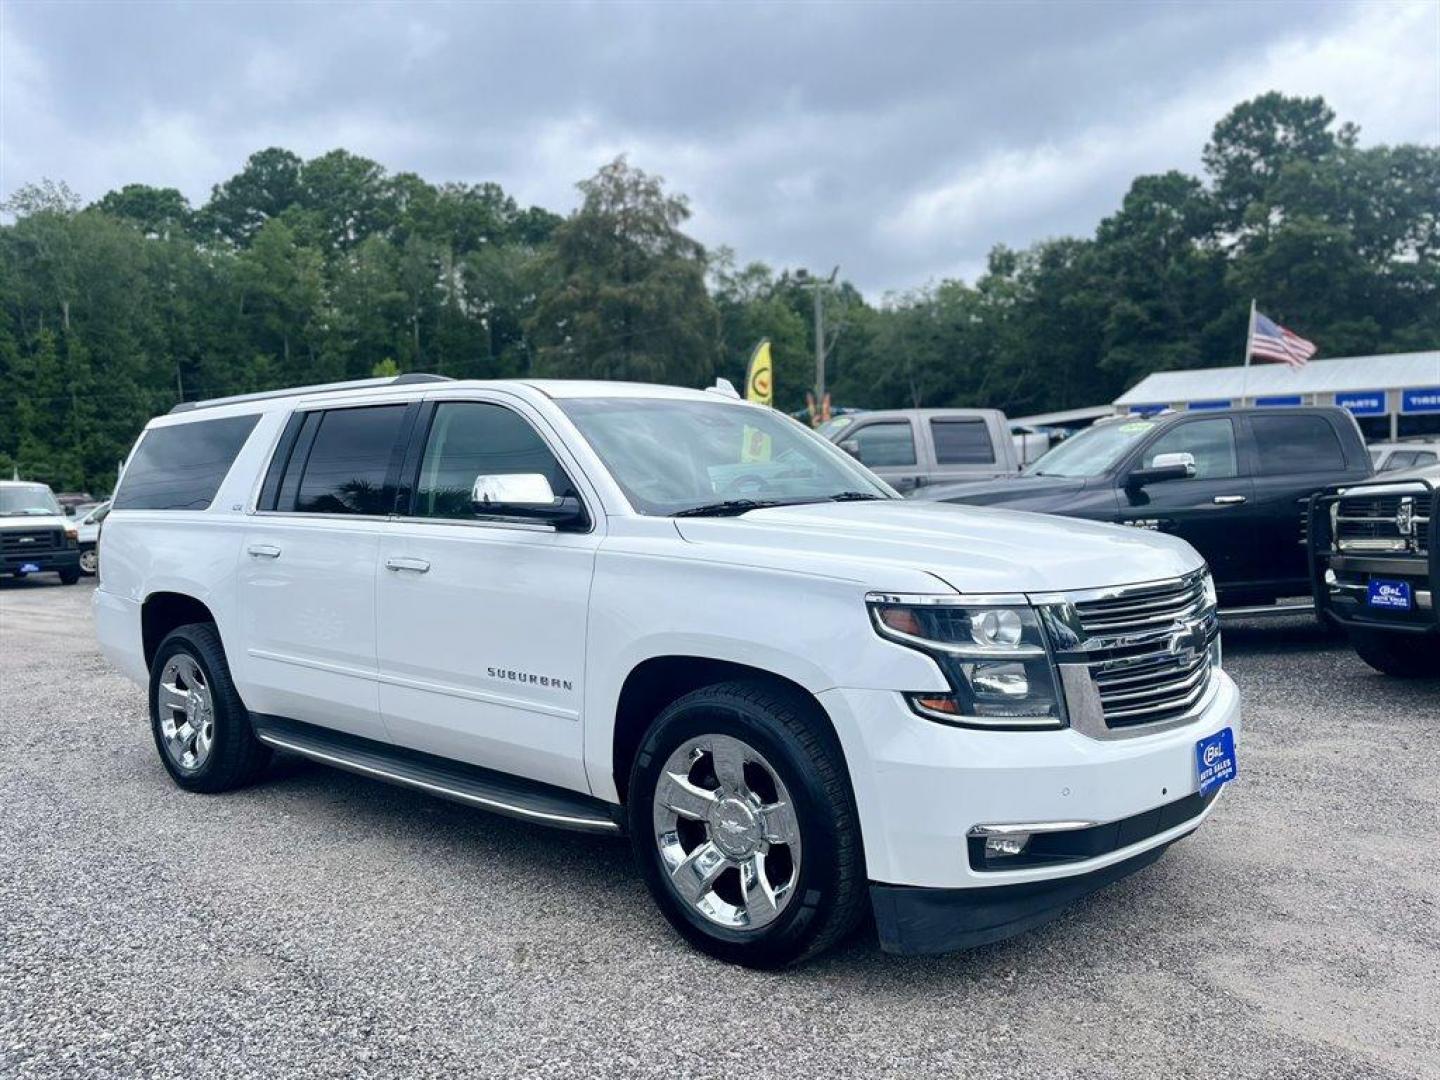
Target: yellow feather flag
(759,382)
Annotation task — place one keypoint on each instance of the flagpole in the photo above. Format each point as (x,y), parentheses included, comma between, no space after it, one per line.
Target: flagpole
(1249,337)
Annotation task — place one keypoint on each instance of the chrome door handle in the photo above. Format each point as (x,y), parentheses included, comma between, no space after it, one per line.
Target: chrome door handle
(264,551)
(1228,500)
(419,566)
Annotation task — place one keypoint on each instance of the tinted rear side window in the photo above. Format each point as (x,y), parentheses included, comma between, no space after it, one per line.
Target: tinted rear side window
(1296,444)
(885,444)
(349,467)
(181,467)
(962,442)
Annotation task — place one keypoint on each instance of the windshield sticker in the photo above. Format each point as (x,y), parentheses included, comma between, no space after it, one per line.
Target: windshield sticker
(1136,426)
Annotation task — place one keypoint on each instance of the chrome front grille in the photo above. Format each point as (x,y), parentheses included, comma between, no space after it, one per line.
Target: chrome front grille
(1147,649)
(1384,524)
(27,541)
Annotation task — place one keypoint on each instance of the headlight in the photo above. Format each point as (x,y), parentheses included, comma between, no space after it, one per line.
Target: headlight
(1212,599)
(994,658)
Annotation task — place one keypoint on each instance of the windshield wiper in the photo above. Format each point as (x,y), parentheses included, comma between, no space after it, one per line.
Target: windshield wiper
(855,496)
(727,507)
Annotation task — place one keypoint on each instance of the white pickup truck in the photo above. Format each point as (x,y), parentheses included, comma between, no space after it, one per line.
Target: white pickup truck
(664,612)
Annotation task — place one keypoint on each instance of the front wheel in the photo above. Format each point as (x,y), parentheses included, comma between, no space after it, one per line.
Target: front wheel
(744,824)
(1405,656)
(69,576)
(90,560)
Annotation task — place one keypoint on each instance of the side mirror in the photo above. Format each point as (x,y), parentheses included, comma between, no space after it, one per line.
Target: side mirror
(69,511)
(1164,467)
(851,447)
(527,496)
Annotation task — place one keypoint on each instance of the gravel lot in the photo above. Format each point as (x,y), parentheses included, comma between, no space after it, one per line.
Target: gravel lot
(326,925)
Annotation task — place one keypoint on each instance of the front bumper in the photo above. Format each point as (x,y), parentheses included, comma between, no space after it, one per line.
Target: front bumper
(43,561)
(921,787)
(915,922)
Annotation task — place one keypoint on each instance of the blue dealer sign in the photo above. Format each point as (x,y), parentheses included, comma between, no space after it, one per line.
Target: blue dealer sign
(1363,402)
(1422,399)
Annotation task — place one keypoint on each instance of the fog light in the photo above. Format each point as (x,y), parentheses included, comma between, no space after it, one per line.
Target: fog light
(1001,846)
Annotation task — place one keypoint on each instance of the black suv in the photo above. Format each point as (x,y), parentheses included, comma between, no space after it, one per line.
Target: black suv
(1233,482)
(1376,570)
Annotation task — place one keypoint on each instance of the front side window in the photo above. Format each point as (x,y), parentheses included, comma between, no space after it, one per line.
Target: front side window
(1210,442)
(181,466)
(885,444)
(470,439)
(962,442)
(1296,444)
(348,468)
(671,455)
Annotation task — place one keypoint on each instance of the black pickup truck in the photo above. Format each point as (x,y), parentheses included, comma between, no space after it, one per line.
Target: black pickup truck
(1376,569)
(1235,483)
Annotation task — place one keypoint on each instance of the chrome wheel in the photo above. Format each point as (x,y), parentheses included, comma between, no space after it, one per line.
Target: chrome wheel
(727,832)
(187,712)
(90,560)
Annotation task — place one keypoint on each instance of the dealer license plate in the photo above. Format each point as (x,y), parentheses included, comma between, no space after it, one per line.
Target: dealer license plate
(1389,595)
(1215,758)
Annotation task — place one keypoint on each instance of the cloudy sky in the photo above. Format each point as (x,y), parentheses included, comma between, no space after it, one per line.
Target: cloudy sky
(899,140)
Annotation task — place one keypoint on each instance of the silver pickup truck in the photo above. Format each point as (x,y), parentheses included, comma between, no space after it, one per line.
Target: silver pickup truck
(911,448)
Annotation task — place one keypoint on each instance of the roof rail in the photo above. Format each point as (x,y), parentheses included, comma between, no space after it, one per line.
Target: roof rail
(320,388)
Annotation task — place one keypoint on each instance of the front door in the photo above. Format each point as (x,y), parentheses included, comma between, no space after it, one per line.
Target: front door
(482,620)
(1212,509)
(307,570)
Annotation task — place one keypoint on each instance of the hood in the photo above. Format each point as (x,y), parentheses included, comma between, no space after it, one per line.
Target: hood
(1013,488)
(36,521)
(970,548)
(1425,474)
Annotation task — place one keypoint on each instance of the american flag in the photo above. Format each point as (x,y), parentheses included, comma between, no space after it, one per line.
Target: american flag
(1271,341)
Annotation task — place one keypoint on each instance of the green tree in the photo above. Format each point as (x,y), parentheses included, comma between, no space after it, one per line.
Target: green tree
(630,300)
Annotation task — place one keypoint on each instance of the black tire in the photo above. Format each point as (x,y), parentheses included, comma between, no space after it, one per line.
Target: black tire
(790,731)
(235,757)
(1405,656)
(69,577)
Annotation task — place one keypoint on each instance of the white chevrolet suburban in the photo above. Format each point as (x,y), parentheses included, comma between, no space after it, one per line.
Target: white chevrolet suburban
(668,613)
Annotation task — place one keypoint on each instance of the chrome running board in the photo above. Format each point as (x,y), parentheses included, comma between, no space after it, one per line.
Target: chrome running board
(472,785)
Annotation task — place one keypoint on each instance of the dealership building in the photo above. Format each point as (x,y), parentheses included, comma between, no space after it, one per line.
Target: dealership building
(1391,396)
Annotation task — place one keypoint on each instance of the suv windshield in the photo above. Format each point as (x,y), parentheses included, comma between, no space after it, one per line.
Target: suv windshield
(673,455)
(1092,451)
(20,499)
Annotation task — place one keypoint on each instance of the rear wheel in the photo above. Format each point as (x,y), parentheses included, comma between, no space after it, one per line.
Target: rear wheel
(1406,656)
(744,825)
(199,723)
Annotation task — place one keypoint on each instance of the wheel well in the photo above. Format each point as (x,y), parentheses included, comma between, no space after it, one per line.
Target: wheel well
(657,682)
(163,612)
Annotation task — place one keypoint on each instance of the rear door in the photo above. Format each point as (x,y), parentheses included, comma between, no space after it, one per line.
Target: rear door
(482,620)
(889,448)
(1296,455)
(1212,509)
(308,565)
